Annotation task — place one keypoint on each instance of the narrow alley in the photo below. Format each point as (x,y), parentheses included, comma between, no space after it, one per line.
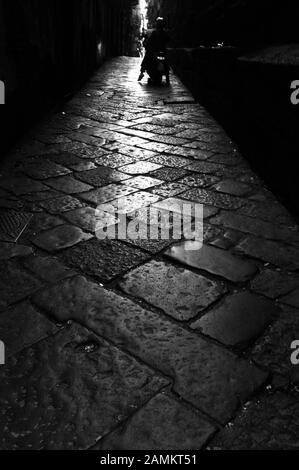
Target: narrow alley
(143,344)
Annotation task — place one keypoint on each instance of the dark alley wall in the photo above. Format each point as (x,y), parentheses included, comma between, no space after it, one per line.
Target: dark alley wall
(236,22)
(49,47)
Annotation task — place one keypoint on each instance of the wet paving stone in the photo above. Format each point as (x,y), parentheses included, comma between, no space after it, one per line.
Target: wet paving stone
(167,190)
(223,201)
(151,246)
(227,239)
(214,261)
(176,205)
(140,168)
(198,181)
(169,174)
(80,149)
(208,376)
(84,166)
(68,185)
(230,159)
(41,222)
(143,182)
(238,320)
(232,187)
(88,218)
(154,128)
(104,259)
(20,185)
(267,211)
(108,193)
(256,227)
(46,268)
(62,204)
(177,291)
(171,161)
(130,203)
(77,393)
(284,256)
(197,154)
(102,176)
(21,326)
(291,299)
(60,238)
(274,284)
(271,423)
(115,160)
(15,284)
(66,159)
(133,152)
(44,169)
(164,423)
(273,350)
(207,168)
(41,196)
(13,250)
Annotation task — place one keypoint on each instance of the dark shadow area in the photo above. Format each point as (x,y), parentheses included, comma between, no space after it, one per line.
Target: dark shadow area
(218,50)
(48,49)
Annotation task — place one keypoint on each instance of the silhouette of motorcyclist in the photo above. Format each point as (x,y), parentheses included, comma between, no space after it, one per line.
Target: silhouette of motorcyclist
(157,42)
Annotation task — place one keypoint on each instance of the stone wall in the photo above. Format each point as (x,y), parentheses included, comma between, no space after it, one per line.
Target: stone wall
(234,22)
(49,47)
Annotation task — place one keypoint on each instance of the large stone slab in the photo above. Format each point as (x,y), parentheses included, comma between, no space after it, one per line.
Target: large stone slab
(273,283)
(273,350)
(44,169)
(46,268)
(101,176)
(104,259)
(292,299)
(176,205)
(90,219)
(21,326)
(238,320)
(107,193)
(269,424)
(60,238)
(278,254)
(169,174)
(130,203)
(164,423)
(232,187)
(20,185)
(257,227)
(68,391)
(171,161)
(208,376)
(68,184)
(12,250)
(114,160)
(213,260)
(143,182)
(167,190)
(140,168)
(15,284)
(61,204)
(177,291)
(212,198)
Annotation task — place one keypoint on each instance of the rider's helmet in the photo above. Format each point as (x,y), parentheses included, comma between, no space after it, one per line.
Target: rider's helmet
(160,22)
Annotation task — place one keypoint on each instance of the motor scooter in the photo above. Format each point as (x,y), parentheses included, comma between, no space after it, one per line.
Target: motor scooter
(158,68)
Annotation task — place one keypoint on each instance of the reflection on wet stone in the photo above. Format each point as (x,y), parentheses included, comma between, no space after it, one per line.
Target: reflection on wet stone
(195,326)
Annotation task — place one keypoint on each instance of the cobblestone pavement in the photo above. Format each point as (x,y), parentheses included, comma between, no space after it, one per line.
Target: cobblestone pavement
(143,344)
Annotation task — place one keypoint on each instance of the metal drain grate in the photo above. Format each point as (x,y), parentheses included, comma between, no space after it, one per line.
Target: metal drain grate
(13,224)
